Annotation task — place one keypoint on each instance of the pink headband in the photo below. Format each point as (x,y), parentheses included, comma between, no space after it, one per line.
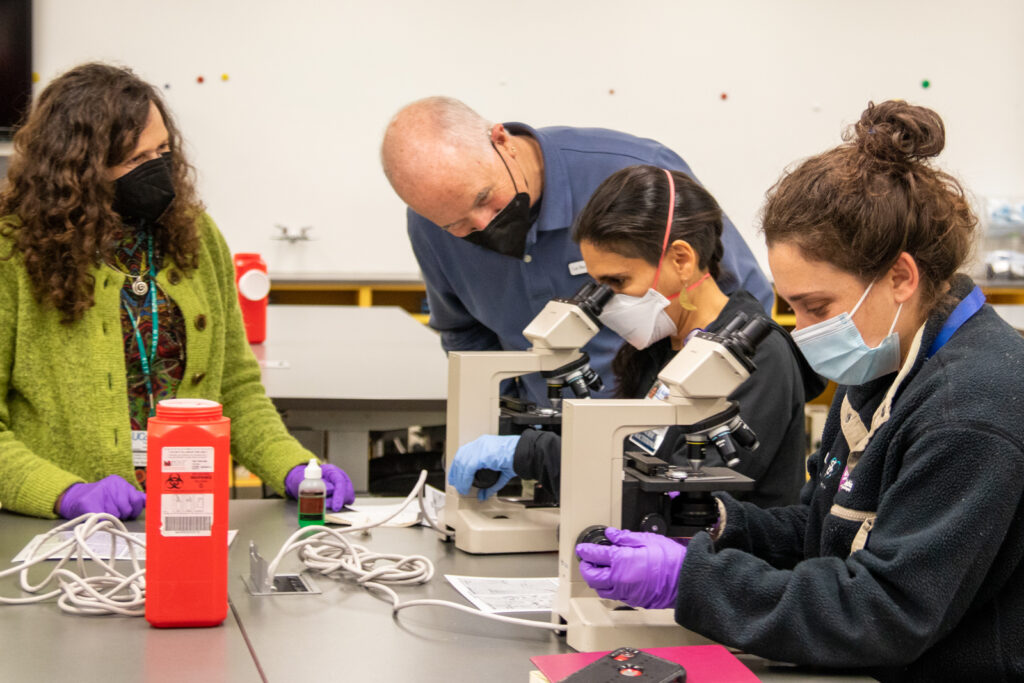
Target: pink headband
(668,224)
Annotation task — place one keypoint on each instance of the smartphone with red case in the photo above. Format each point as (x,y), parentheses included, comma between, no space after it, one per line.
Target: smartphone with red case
(629,664)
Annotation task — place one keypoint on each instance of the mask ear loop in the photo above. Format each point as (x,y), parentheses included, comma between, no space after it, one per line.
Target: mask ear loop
(512,177)
(863,296)
(894,320)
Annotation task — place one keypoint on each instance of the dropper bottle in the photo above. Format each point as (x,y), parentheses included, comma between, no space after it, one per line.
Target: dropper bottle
(312,495)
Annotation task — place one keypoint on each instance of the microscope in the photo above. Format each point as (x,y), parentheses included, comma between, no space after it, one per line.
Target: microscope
(475,407)
(603,486)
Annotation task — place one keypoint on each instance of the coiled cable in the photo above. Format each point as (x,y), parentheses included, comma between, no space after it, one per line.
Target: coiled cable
(328,551)
(111,592)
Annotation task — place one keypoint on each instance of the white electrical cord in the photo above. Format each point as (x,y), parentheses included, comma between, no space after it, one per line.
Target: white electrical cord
(328,551)
(112,592)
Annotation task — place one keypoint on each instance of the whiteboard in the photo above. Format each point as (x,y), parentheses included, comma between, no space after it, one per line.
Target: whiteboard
(292,136)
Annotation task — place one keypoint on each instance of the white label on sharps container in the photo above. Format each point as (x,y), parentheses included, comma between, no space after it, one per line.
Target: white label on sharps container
(139,447)
(577,267)
(186,514)
(186,459)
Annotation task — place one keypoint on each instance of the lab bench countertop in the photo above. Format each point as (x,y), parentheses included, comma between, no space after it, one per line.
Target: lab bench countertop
(344,633)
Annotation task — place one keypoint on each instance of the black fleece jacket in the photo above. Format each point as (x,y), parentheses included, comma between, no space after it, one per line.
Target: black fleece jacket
(771,403)
(909,566)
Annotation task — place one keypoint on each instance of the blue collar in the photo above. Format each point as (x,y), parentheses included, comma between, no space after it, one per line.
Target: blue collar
(970,305)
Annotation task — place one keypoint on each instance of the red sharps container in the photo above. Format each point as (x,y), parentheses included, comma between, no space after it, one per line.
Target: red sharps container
(253,293)
(188,453)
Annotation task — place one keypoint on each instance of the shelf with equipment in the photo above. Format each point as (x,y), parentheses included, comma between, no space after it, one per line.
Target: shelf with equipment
(319,289)
(1000,292)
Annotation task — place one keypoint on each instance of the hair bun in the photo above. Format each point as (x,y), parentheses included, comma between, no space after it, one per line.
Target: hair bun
(895,131)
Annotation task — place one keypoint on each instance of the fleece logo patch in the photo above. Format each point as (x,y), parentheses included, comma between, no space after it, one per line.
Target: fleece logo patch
(845,483)
(833,465)
(831,469)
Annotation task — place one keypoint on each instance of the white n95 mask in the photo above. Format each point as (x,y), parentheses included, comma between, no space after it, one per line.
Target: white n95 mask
(835,349)
(640,320)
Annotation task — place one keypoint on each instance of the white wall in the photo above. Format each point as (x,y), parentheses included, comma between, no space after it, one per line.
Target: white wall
(292,136)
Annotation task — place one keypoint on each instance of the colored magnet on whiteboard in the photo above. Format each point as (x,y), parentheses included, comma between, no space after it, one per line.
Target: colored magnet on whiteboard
(611,91)
(724,96)
(223,77)
(199,79)
(926,84)
(167,86)
(35,77)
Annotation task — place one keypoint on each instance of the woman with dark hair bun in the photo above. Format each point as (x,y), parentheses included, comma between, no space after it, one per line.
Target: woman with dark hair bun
(116,291)
(654,237)
(905,558)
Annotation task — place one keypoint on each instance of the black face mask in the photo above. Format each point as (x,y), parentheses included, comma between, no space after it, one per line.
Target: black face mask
(506,233)
(144,194)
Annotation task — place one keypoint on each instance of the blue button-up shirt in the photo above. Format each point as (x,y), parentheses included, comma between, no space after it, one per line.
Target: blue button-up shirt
(481,300)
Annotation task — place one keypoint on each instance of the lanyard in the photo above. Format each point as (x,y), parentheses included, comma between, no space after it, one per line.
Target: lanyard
(148,359)
(970,305)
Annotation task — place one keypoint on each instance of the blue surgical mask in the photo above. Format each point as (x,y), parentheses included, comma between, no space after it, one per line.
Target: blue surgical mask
(835,349)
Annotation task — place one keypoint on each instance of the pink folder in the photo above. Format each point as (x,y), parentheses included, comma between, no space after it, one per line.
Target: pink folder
(703,663)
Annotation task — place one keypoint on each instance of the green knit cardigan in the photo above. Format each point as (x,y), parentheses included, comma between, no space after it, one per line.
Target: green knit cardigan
(63,388)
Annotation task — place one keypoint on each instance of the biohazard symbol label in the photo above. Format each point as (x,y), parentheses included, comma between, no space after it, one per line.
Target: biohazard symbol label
(174,481)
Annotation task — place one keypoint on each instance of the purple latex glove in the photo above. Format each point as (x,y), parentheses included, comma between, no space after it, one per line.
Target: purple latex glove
(340,491)
(639,569)
(113,495)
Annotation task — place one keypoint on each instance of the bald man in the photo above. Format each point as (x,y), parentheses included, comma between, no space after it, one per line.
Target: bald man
(491,208)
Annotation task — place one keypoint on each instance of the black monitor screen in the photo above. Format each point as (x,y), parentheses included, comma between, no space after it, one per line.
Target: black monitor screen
(15,62)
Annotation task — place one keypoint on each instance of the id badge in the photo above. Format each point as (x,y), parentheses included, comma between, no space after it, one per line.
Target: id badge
(139,448)
(577,268)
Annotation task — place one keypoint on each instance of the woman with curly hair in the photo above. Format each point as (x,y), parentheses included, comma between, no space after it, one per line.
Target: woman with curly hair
(116,291)
(905,556)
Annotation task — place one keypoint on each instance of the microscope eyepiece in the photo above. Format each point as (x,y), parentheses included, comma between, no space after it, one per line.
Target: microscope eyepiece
(734,325)
(742,335)
(591,299)
(756,330)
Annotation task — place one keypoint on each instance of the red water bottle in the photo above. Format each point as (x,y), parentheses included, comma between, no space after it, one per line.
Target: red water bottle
(188,452)
(253,290)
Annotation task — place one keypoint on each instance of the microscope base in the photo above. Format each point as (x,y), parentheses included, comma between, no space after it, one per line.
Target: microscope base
(509,528)
(595,625)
